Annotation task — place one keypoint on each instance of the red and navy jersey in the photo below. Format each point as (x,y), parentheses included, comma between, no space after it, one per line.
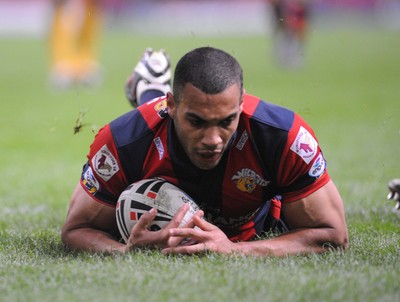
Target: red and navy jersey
(273,152)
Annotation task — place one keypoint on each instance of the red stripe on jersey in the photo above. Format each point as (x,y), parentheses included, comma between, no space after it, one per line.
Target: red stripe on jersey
(291,167)
(158,105)
(276,208)
(158,162)
(319,183)
(118,182)
(250,104)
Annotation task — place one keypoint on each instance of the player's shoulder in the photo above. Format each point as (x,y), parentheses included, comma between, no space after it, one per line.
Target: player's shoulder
(267,113)
(140,122)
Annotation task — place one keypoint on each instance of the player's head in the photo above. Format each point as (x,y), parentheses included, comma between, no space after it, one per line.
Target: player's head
(209,69)
(206,104)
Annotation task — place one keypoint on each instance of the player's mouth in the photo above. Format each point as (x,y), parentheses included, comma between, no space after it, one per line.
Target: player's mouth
(209,156)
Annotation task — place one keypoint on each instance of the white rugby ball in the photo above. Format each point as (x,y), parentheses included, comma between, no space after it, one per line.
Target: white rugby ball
(139,197)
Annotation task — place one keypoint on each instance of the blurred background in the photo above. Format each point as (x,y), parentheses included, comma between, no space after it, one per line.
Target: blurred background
(63,67)
(182,17)
(74,29)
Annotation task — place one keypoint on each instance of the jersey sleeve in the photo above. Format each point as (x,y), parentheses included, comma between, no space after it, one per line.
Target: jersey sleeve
(302,169)
(102,176)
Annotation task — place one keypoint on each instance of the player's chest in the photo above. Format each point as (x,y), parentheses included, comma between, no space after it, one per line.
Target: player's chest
(236,186)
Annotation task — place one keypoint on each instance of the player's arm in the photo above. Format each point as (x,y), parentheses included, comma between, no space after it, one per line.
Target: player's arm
(317,223)
(90,226)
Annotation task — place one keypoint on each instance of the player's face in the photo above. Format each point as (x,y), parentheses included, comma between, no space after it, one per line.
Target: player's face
(205,123)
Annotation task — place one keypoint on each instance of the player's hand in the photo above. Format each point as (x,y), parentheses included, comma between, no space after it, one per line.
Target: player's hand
(207,237)
(141,236)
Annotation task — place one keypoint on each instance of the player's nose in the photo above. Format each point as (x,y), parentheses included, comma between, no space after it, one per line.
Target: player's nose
(212,137)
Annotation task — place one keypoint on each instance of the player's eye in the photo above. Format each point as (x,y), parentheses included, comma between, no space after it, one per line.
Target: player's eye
(226,123)
(196,122)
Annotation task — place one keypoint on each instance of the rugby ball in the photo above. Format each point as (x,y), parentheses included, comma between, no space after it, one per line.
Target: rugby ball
(139,197)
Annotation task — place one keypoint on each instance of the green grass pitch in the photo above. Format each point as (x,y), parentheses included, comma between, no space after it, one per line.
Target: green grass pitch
(349,91)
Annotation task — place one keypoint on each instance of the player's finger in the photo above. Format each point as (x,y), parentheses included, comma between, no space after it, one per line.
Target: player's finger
(175,240)
(190,249)
(203,224)
(190,223)
(194,233)
(145,220)
(199,213)
(176,220)
(180,241)
(197,232)
(187,241)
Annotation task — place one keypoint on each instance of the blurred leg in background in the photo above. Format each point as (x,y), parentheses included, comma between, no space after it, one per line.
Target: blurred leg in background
(291,18)
(74,40)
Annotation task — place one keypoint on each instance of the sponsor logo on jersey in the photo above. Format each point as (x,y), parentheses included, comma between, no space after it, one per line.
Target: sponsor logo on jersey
(89,181)
(242,141)
(246,180)
(160,147)
(318,167)
(104,163)
(305,145)
(161,108)
(228,222)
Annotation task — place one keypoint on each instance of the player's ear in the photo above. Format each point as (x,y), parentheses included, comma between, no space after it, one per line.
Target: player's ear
(241,100)
(171,105)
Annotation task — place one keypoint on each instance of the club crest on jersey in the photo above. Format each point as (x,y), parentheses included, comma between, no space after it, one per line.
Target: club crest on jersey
(89,181)
(104,163)
(246,180)
(305,145)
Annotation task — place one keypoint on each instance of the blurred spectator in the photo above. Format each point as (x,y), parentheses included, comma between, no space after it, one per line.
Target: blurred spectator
(290,29)
(74,38)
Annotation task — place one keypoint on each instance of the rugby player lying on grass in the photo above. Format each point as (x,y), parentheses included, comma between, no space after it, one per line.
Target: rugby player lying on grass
(250,165)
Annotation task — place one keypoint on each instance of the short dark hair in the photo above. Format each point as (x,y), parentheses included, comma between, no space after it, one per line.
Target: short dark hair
(209,69)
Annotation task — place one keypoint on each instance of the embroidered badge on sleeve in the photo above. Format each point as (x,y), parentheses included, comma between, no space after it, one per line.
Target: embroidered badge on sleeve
(305,145)
(104,163)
